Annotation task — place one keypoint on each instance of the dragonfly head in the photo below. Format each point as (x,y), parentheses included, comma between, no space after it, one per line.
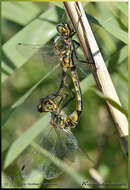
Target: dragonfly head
(47,105)
(64,29)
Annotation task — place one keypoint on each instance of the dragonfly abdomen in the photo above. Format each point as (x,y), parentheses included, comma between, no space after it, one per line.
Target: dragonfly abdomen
(75,80)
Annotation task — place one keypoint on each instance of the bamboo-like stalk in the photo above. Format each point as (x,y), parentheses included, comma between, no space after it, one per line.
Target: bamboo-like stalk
(96,177)
(90,48)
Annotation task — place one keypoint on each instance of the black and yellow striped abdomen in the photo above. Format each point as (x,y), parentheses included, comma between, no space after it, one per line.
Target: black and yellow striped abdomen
(75,80)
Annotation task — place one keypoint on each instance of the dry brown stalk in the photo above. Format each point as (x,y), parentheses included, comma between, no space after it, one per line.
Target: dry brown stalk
(90,48)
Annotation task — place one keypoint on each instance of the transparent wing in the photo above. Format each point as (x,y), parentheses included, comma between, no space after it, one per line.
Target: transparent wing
(47,55)
(59,143)
(65,149)
(45,52)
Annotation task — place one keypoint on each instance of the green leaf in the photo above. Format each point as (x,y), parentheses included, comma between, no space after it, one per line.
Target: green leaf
(40,28)
(72,173)
(118,57)
(115,30)
(109,100)
(23,141)
(14,11)
(87,83)
(22,99)
(123,7)
(108,21)
(123,54)
(58,4)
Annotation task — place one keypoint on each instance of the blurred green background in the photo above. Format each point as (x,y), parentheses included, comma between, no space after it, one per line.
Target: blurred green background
(26,78)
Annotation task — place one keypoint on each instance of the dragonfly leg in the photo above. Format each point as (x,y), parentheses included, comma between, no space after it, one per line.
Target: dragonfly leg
(70,99)
(63,78)
(61,101)
(74,43)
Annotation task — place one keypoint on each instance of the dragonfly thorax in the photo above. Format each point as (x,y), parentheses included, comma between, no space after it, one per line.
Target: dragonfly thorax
(60,122)
(57,120)
(62,44)
(62,48)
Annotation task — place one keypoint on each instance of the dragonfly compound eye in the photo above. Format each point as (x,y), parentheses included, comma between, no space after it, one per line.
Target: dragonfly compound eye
(39,107)
(63,29)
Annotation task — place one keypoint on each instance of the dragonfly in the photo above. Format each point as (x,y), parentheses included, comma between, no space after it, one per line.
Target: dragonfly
(62,46)
(65,49)
(61,123)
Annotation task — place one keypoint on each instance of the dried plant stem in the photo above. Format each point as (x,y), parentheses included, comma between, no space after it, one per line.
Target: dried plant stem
(96,177)
(99,70)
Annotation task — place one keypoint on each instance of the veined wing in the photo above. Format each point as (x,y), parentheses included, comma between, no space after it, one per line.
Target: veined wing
(59,143)
(65,149)
(45,52)
(47,56)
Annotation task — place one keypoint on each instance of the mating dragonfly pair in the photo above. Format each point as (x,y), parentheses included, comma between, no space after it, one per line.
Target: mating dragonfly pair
(65,49)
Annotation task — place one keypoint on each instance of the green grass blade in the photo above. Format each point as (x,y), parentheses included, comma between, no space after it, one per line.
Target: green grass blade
(109,100)
(22,99)
(43,32)
(123,7)
(75,176)
(14,11)
(23,141)
(116,31)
